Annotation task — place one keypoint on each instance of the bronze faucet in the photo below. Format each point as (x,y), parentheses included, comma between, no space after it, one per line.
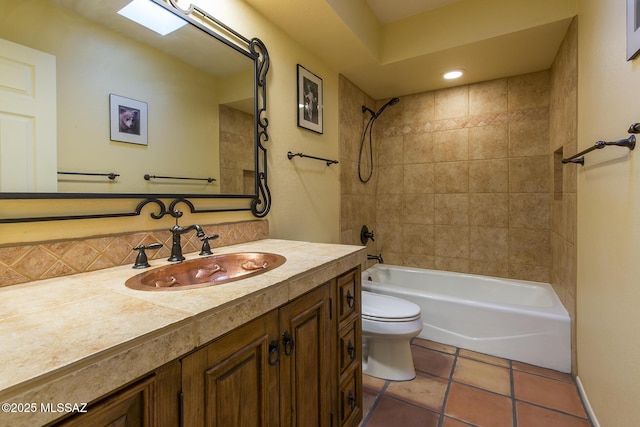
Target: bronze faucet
(177,231)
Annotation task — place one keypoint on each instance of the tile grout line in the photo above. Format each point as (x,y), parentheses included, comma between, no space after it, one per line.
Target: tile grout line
(365,420)
(446,392)
(514,413)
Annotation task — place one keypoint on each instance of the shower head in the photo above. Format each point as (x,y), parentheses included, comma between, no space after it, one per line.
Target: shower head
(392,101)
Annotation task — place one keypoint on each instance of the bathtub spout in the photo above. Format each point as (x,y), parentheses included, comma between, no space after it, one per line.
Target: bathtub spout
(376,257)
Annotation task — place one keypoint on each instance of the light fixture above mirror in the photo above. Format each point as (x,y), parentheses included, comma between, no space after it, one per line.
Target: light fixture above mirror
(152,16)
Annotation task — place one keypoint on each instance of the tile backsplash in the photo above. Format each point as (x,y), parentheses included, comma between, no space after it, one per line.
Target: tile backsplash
(44,260)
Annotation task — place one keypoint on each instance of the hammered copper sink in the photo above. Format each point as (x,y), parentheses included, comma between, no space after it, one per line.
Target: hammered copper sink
(203,272)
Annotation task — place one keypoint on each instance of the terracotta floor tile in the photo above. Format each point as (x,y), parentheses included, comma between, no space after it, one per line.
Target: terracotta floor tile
(483,375)
(424,390)
(373,383)
(434,346)
(549,373)
(432,362)
(478,407)
(368,399)
(487,358)
(547,392)
(392,412)
(535,416)
(450,422)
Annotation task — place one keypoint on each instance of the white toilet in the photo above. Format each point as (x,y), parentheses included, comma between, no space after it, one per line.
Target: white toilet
(388,325)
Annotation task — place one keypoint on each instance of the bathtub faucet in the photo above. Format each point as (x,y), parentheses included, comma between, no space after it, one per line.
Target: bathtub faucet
(376,257)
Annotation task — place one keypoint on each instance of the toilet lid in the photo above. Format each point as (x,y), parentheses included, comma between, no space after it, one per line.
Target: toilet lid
(385,307)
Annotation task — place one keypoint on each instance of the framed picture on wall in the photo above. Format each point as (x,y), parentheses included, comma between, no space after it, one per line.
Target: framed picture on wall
(128,119)
(633,29)
(310,101)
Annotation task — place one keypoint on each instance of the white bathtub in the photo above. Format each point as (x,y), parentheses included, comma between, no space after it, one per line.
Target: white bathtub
(514,319)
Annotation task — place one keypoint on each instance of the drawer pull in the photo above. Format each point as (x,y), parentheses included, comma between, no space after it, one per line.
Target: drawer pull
(350,299)
(352,400)
(351,351)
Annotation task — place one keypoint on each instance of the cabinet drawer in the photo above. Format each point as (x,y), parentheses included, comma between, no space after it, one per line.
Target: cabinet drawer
(350,410)
(349,345)
(348,295)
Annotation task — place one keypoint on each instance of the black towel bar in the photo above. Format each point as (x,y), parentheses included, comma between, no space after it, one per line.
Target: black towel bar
(630,143)
(329,162)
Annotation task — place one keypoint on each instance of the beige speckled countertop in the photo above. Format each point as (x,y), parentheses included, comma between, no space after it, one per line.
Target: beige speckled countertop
(75,338)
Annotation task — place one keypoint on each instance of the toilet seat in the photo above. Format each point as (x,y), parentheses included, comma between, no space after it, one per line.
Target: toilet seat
(385,308)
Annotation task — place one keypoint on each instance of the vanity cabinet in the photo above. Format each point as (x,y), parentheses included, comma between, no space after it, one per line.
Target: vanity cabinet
(273,371)
(148,402)
(298,365)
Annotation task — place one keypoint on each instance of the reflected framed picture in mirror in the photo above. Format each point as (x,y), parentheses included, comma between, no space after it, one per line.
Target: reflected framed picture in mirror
(310,102)
(128,118)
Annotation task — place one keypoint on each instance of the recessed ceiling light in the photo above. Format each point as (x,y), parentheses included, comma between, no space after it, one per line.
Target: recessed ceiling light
(152,16)
(453,74)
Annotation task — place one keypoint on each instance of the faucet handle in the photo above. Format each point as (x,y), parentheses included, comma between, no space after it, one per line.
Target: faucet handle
(206,248)
(141,259)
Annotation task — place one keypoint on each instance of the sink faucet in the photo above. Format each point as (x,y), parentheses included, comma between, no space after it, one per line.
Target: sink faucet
(177,231)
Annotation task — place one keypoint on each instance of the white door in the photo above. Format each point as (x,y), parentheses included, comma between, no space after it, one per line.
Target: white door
(28,156)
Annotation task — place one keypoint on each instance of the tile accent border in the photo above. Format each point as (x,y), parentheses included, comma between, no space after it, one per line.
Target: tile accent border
(49,259)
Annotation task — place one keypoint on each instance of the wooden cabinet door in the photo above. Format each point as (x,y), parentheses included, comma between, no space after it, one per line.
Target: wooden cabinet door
(305,360)
(233,382)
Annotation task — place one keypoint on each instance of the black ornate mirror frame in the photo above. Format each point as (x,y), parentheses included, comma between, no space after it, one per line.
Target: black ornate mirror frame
(260,201)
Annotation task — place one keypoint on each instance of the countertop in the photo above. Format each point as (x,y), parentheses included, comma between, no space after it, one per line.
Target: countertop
(73,339)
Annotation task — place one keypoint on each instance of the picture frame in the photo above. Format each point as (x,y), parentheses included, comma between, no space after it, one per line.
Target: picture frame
(128,119)
(633,29)
(310,100)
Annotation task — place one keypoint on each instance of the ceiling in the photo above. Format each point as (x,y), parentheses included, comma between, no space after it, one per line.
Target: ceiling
(399,47)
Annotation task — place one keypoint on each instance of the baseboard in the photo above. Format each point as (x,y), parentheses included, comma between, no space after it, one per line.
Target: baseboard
(587,404)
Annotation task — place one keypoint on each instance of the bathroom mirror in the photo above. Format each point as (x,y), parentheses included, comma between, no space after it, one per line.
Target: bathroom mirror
(123,112)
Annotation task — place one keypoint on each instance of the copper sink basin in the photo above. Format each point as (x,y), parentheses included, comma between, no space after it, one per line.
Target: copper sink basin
(203,272)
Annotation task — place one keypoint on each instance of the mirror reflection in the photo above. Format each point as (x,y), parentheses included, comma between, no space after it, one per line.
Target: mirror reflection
(89,91)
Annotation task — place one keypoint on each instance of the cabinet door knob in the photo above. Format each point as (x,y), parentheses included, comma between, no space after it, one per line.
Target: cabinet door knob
(351,350)
(352,400)
(274,348)
(287,342)
(350,299)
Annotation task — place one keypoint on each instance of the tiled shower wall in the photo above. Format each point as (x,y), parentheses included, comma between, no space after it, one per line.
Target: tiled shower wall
(462,179)
(36,261)
(563,134)
(470,178)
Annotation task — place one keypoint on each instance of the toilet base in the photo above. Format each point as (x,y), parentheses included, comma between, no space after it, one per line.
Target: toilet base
(388,359)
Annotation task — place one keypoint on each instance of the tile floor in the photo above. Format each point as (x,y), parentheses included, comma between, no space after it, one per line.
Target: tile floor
(460,388)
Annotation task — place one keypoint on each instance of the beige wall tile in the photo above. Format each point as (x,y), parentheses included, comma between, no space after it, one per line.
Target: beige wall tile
(529,91)
(389,208)
(418,178)
(451,209)
(418,148)
(529,138)
(530,210)
(489,244)
(418,108)
(390,151)
(452,241)
(489,209)
(418,208)
(390,179)
(489,142)
(488,97)
(529,174)
(530,247)
(489,176)
(418,239)
(451,145)
(451,177)
(451,103)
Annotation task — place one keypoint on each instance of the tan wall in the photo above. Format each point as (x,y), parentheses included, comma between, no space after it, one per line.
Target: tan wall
(608,217)
(462,179)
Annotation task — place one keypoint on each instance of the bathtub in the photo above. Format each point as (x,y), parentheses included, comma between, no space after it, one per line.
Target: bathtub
(513,319)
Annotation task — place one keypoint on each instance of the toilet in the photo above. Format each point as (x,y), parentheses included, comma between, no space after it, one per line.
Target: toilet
(388,325)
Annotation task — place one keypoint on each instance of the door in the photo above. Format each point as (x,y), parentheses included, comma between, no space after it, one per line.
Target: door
(305,360)
(28,155)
